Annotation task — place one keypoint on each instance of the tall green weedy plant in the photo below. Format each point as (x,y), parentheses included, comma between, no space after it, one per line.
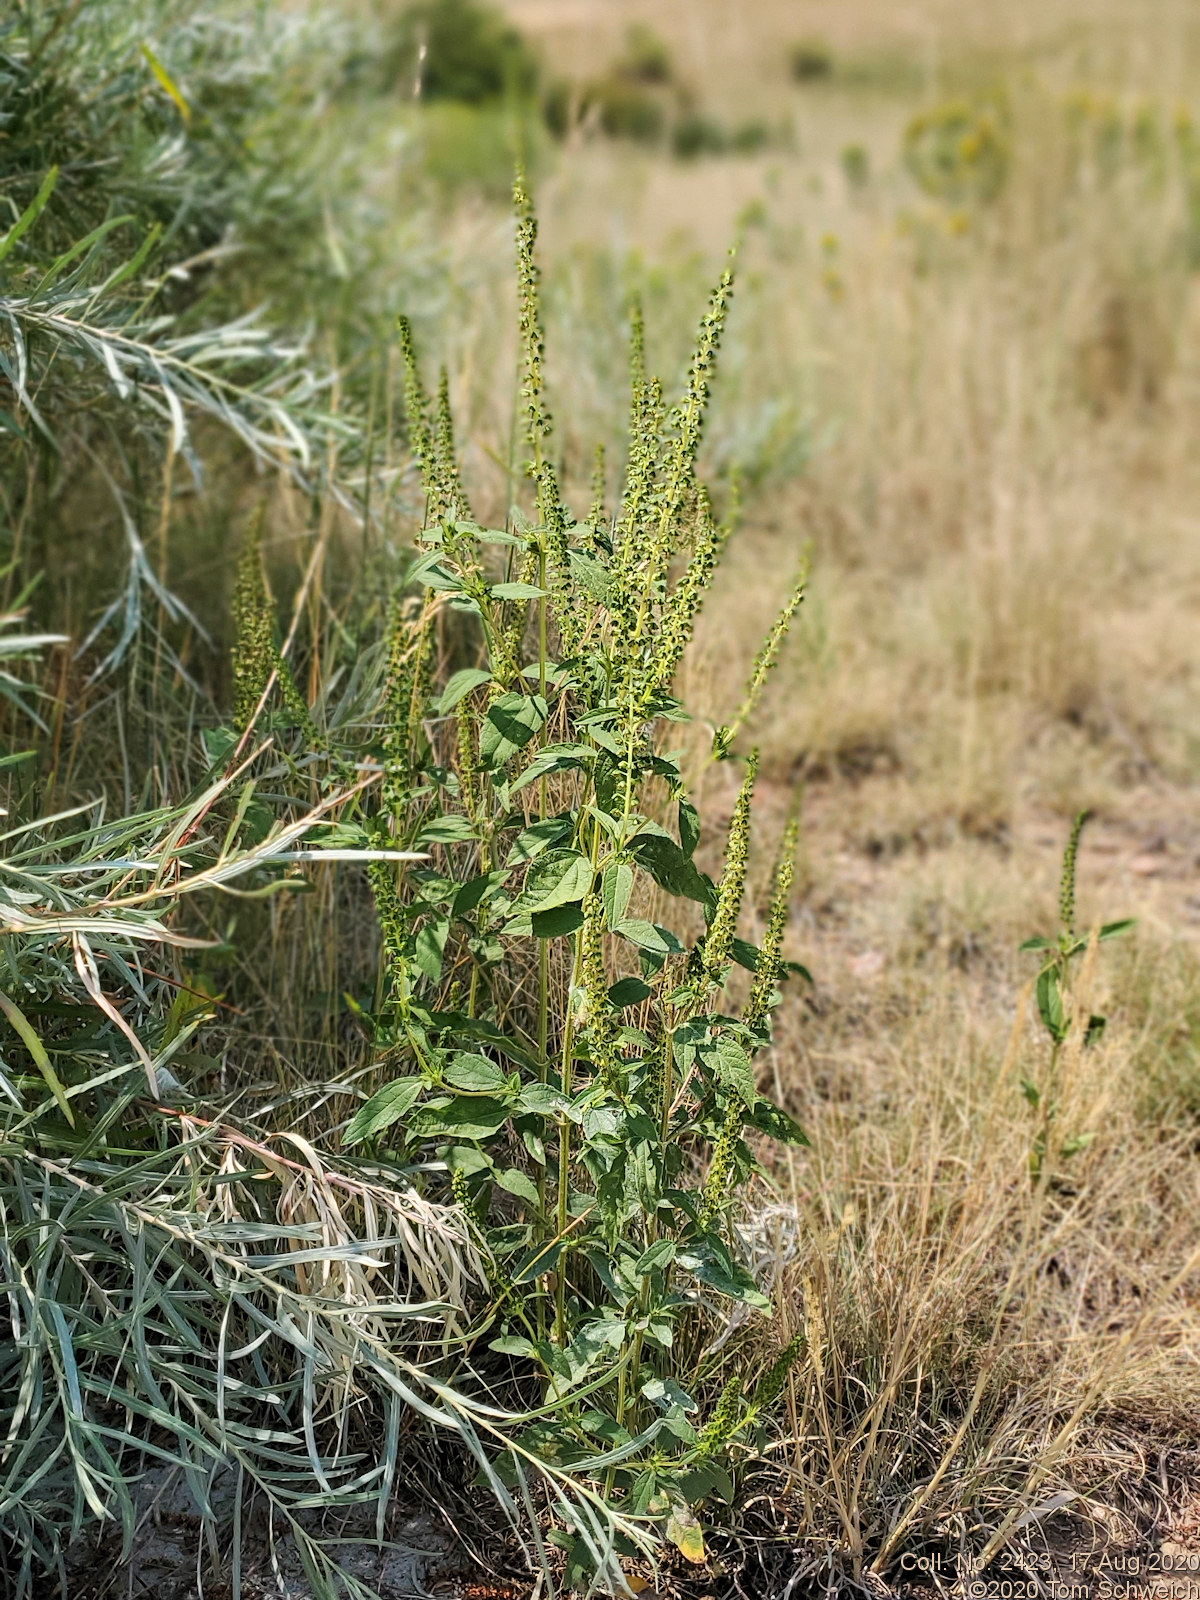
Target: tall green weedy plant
(1058,1011)
(559,1054)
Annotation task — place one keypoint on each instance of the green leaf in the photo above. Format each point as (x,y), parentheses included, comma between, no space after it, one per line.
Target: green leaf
(658,1255)
(689,827)
(1076,1142)
(460,685)
(453,828)
(616,887)
(458,1024)
(539,836)
(558,922)
(1031,1092)
(466,1117)
(512,1344)
(555,879)
(670,868)
(429,948)
(767,1117)
(1050,1004)
(471,893)
(476,1073)
(711,1263)
(1038,942)
(649,936)
(704,1479)
(38,1051)
(30,214)
(665,1392)
(1110,930)
(514,1181)
(429,572)
(629,992)
(489,535)
(219,744)
(517,591)
(511,722)
(732,1068)
(592,574)
(543,1100)
(384,1107)
(1095,1027)
(746,954)
(554,758)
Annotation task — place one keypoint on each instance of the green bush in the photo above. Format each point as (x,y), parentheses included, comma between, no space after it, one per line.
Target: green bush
(646,59)
(749,137)
(960,150)
(698,135)
(624,110)
(810,61)
(856,165)
(459,50)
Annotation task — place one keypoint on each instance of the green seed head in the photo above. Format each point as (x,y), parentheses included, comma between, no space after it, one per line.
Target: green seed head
(718,946)
(770,1386)
(770,956)
(1066,893)
(722,1425)
(254,623)
(716,1185)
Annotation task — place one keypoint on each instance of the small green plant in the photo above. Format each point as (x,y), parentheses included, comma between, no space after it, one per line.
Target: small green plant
(556,1042)
(960,150)
(1056,1007)
(459,50)
(811,61)
(696,134)
(647,59)
(632,99)
(749,137)
(856,165)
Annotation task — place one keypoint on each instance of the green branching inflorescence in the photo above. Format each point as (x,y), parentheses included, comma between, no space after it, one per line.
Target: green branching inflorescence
(723,1423)
(529,320)
(297,706)
(770,1385)
(770,955)
(450,500)
(554,516)
(253,656)
(688,417)
(763,662)
(468,763)
(416,405)
(597,519)
(499,1280)
(716,1185)
(718,946)
(393,930)
(602,1032)
(256,656)
(1066,892)
(683,606)
(406,641)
